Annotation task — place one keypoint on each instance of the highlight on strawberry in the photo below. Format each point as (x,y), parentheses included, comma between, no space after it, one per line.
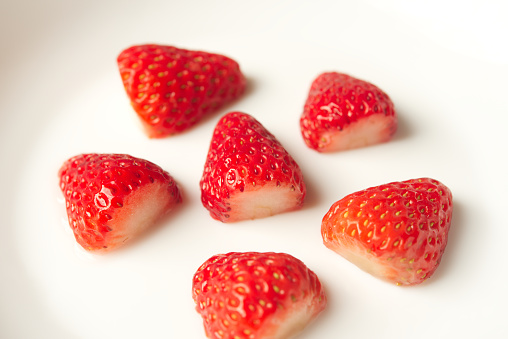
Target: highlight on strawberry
(252,295)
(342,112)
(248,174)
(112,198)
(172,89)
(396,232)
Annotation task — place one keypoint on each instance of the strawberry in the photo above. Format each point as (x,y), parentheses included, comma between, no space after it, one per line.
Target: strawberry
(342,112)
(112,198)
(171,89)
(248,174)
(397,231)
(256,295)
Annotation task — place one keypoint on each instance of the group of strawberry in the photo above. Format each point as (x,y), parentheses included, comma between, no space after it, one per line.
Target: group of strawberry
(396,231)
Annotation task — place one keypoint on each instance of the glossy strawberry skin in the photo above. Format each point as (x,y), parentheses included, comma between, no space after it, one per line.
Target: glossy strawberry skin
(397,231)
(337,102)
(251,295)
(102,192)
(244,157)
(171,89)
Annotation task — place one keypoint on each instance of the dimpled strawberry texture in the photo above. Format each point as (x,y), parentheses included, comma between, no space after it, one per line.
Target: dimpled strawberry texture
(254,295)
(397,232)
(248,174)
(342,112)
(112,197)
(171,89)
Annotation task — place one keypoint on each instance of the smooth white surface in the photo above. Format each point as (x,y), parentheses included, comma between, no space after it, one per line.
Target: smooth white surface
(444,64)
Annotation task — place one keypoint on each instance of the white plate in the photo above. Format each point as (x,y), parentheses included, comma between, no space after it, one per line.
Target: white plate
(444,64)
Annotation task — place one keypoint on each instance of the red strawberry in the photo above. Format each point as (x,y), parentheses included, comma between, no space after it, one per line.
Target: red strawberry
(342,112)
(248,174)
(256,295)
(111,198)
(397,231)
(171,89)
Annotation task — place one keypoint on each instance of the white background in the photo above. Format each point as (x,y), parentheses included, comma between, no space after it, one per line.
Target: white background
(443,63)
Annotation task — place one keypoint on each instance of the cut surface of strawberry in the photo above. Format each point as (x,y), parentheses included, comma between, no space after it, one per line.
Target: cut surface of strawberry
(112,198)
(252,295)
(171,89)
(397,232)
(342,112)
(248,174)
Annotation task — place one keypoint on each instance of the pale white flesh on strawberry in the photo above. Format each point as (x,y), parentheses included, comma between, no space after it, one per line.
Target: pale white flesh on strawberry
(293,321)
(378,266)
(370,130)
(140,210)
(263,201)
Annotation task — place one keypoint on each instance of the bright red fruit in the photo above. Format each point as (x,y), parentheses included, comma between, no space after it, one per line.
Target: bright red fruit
(397,231)
(111,198)
(248,174)
(342,112)
(256,295)
(171,89)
